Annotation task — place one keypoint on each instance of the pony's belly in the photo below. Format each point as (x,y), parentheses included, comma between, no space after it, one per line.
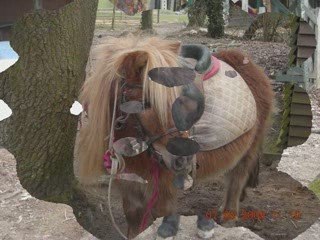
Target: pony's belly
(230,110)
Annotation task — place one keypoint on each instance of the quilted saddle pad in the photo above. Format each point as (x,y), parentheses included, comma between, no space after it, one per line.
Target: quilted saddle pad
(230,109)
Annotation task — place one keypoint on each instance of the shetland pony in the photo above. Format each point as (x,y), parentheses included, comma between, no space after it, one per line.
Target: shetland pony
(129,60)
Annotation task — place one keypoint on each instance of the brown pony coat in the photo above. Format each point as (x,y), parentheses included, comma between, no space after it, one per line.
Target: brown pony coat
(237,159)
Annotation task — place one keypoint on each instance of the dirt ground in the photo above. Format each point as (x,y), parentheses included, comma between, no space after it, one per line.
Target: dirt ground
(280,207)
(25,217)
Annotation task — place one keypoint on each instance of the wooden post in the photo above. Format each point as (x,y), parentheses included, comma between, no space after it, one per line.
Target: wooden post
(317,53)
(158,16)
(113,14)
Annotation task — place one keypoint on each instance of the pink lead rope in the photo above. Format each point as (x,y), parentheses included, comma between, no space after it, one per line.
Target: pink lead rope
(155,172)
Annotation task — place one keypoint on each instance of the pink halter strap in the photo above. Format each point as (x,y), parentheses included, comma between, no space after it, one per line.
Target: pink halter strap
(215,68)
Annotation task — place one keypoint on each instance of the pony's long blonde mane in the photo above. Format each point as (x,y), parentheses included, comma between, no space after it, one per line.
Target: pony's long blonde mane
(96,92)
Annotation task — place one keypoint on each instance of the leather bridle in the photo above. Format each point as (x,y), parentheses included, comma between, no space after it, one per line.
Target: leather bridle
(142,133)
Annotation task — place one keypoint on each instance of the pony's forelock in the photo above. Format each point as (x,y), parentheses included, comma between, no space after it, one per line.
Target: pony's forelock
(99,89)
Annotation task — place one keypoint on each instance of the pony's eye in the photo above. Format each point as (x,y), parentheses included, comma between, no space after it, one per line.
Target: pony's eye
(147,104)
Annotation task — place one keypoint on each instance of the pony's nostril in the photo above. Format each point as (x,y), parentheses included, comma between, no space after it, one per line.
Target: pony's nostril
(179,163)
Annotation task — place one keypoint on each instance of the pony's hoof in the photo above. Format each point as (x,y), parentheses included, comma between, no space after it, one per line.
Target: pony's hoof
(169,227)
(205,227)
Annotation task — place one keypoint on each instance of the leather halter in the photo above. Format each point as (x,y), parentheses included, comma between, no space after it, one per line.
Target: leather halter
(140,128)
(141,131)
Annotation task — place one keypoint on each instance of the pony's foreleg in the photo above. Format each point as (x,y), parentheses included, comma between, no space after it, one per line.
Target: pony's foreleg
(167,208)
(134,214)
(134,202)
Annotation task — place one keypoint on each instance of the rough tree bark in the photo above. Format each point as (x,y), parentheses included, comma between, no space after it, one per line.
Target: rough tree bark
(197,14)
(147,20)
(40,88)
(215,16)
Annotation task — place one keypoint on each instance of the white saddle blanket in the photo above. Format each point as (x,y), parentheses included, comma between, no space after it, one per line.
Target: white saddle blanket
(230,109)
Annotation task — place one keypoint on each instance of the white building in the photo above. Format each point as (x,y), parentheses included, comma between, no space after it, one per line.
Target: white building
(312,65)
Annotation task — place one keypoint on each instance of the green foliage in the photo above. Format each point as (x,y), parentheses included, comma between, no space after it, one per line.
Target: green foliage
(215,18)
(315,187)
(282,141)
(103,4)
(270,24)
(197,13)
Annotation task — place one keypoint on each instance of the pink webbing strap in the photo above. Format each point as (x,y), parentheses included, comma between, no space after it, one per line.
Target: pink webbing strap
(155,172)
(215,68)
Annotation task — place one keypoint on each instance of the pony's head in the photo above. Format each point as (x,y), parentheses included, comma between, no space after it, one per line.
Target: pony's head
(126,59)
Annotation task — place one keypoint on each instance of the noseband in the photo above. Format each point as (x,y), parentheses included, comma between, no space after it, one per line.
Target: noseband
(142,133)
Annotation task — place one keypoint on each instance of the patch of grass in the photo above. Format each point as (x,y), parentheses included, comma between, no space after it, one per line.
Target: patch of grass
(172,18)
(168,18)
(165,15)
(103,4)
(315,187)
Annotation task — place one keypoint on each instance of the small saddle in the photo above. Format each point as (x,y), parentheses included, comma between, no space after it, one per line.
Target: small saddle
(230,108)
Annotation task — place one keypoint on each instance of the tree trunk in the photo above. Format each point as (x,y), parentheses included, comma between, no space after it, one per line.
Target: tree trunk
(197,14)
(40,88)
(146,20)
(215,16)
